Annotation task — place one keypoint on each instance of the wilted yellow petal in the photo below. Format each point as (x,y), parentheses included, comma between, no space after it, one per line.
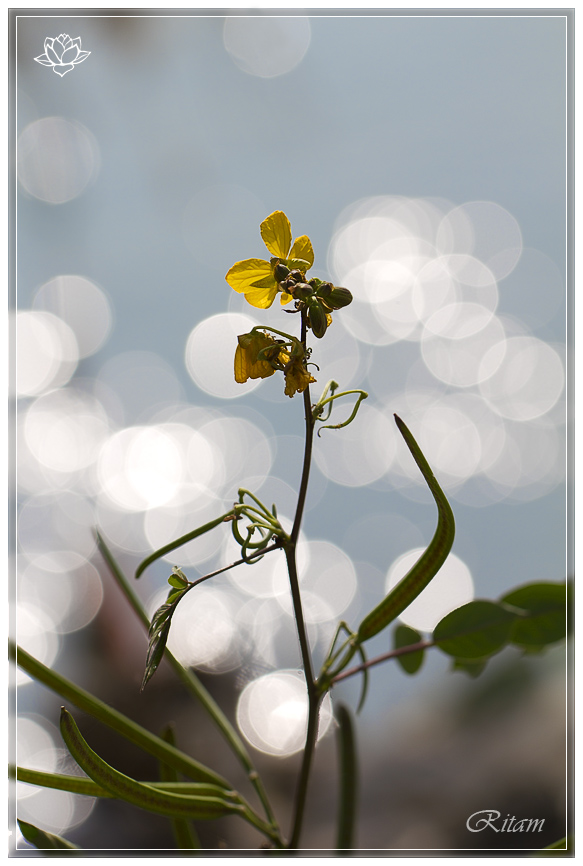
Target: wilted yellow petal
(297,378)
(243,274)
(241,374)
(247,363)
(276,234)
(302,249)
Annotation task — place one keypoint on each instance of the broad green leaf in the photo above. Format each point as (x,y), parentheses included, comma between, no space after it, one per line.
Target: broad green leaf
(545,620)
(302,249)
(138,793)
(475,630)
(405,636)
(41,839)
(276,234)
(176,582)
(243,274)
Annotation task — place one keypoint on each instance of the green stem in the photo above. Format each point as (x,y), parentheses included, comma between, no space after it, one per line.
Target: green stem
(392,654)
(302,790)
(290,554)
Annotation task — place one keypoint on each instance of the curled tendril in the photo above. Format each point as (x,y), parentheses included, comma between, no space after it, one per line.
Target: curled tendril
(261,521)
(326,403)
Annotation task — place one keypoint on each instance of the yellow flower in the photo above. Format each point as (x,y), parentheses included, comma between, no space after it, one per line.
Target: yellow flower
(255,277)
(249,363)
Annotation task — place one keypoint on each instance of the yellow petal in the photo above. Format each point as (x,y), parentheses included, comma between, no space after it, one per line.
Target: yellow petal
(276,234)
(243,274)
(261,298)
(302,249)
(285,298)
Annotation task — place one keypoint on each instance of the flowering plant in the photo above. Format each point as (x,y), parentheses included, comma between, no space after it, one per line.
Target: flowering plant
(530,617)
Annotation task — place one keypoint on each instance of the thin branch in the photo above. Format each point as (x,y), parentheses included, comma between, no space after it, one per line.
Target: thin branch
(392,654)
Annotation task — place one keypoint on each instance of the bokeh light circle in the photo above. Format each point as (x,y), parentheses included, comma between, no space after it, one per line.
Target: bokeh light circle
(527,383)
(204,631)
(266,46)
(485,230)
(82,305)
(210,354)
(57,159)
(46,352)
(451,587)
(140,468)
(272,713)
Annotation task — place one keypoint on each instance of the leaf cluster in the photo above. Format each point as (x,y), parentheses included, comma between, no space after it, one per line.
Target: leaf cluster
(161,622)
(530,617)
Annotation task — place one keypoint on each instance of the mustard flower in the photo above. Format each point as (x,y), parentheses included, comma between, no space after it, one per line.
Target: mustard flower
(256,278)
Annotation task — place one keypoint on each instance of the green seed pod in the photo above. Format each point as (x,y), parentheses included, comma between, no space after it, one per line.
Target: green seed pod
(338,298)
(318,320)
(280,272)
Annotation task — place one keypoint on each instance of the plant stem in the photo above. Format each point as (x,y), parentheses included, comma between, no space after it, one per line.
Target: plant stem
(290,554)
(311,736)
(392,654)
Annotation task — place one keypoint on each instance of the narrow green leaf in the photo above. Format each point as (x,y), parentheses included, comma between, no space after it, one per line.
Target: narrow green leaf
(405,636)
(41,839)
(138,735)
(89,788)
(348,779)
(545,614)
(139,794)
(155,653)
(184,539)
(475,630)
(184,833)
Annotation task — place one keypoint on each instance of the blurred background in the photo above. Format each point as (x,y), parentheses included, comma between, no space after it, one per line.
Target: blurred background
(425,157)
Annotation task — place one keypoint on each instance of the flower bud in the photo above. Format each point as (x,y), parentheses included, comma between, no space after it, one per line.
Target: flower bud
(280,272)
(339,298)
(303,292)
(324,289)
